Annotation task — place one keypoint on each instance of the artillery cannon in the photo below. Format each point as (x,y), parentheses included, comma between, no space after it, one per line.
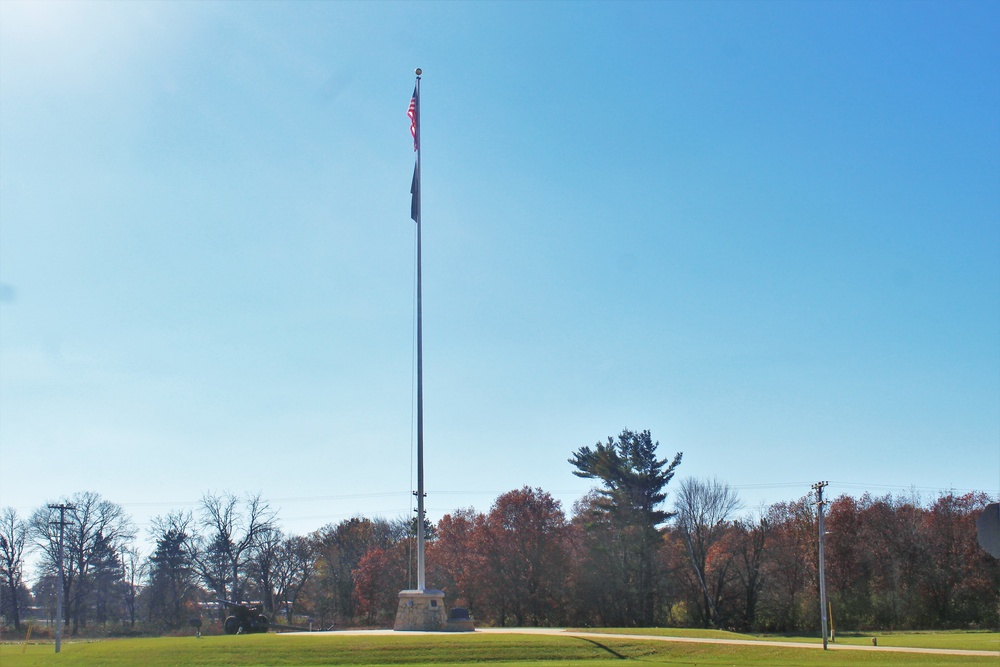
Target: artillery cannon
(244,618)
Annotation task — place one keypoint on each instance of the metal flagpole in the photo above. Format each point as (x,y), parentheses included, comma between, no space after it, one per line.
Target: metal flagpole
(421,609)
(421,584)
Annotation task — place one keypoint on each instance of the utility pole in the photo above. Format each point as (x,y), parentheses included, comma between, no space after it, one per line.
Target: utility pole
(62,577)
(818,488)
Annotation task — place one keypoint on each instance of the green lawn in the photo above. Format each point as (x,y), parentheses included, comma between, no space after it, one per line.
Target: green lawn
(497,649)
(972,640)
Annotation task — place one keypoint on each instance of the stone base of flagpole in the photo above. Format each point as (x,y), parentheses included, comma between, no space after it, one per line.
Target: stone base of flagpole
(421,611)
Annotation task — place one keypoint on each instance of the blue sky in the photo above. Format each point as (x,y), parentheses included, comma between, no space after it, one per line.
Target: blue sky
(769,232)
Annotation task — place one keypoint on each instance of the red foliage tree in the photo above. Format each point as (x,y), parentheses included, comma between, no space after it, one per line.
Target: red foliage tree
(379,577)
(791,568)
(961,583)
(524,546)
(510,565)
(456,563)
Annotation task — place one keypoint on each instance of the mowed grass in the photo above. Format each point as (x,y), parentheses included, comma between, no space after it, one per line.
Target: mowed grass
(965,640)
(442,651)
(972,641)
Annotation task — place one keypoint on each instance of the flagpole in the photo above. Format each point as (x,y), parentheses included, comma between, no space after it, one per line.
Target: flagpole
(420,609)
(421,582)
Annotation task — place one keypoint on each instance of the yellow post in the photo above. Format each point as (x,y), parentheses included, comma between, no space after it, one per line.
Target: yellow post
(26,638)
(833,632)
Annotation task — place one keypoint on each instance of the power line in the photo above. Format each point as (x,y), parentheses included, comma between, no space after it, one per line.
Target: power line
(296,499)
(911,487)
(493,494)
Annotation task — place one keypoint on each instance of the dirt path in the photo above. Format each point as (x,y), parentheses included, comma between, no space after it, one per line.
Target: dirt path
(689,640)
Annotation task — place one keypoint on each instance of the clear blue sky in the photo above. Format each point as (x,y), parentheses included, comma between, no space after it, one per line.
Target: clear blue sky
(769,232)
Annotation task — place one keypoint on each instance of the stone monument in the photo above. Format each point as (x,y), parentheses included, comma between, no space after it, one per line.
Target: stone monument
(421,611)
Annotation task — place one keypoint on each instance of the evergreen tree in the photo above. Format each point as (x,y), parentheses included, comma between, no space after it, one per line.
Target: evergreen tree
(104,580)
(172,579)
(629,500)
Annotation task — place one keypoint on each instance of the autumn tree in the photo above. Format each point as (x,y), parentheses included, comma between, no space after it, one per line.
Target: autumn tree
(790,596)
(848,562)
(597,566)
(457,561)
(628,510)
(338,551)
(961,582)
(751,538)
(895,563)
(703,513)
(890,530)
(522,545)
(380,575)
(876,555)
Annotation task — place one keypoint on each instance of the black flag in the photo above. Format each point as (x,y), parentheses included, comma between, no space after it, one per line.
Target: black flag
(415,195)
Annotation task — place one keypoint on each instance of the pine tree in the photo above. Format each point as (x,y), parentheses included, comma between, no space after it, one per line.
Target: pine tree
(629,500)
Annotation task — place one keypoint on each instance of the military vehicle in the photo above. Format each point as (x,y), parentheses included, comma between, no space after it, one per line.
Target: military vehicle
(244,618)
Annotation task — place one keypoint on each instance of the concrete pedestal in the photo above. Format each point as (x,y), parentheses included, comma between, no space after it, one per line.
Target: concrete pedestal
(421,611)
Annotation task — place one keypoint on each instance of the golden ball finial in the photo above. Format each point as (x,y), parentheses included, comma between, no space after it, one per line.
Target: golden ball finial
(419,71)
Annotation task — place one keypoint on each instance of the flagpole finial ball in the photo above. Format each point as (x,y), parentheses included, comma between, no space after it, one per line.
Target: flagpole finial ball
(418,71)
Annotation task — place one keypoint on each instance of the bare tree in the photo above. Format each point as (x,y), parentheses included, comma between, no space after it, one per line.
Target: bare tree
(13,542)
(234,528)
(132,571)
(295,565)
(94,527)
(704,509)
(263,566)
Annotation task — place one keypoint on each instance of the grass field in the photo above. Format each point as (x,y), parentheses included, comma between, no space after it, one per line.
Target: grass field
(973,641)
(441,650)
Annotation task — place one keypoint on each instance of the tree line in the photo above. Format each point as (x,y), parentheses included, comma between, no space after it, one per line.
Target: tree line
(623,556)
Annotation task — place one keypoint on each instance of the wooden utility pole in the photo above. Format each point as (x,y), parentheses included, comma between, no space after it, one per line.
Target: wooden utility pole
(62,577)
(818,488)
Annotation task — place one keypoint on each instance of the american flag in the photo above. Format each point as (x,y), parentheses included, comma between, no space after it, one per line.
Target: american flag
(412,113)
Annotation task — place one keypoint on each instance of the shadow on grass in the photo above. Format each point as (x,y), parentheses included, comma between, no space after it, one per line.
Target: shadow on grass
(601,646)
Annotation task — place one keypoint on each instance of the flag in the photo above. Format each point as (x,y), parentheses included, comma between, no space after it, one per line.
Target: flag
(415,195)
(414,113)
